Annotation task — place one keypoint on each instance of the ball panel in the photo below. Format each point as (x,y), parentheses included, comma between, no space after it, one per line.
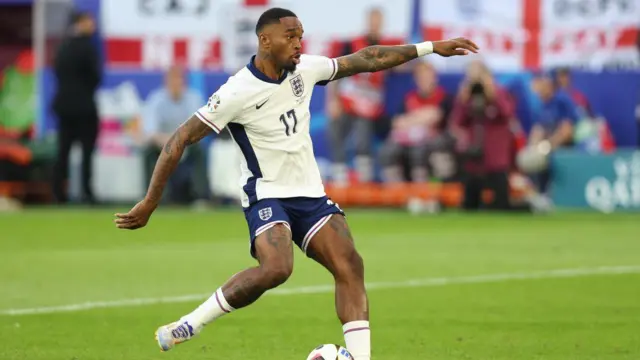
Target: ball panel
(330,352)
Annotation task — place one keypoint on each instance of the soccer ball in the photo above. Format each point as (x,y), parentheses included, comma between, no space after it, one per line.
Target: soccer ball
(534,159)
(330,352)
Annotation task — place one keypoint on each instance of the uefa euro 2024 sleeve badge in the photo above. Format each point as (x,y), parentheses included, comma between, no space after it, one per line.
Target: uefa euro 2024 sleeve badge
(213,103)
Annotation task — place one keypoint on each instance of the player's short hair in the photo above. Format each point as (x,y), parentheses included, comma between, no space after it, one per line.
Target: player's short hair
(272,16)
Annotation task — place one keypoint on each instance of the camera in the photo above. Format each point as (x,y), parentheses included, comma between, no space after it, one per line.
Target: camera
(477,89)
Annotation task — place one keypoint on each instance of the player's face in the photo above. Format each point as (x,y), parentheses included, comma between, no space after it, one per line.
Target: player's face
(286,43)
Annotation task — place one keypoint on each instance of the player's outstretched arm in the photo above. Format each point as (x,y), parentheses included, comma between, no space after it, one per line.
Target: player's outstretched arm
(378,57)
(190,132)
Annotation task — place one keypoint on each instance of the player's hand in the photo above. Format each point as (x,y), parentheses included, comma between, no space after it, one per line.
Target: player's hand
(454,47)
(137,217)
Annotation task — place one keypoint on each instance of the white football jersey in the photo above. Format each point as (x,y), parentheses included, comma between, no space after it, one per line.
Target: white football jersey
(269,121)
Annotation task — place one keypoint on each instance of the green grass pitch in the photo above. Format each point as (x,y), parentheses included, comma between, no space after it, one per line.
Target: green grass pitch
(496,287)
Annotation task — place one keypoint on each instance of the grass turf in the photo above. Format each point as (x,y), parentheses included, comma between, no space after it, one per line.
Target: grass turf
(55,257)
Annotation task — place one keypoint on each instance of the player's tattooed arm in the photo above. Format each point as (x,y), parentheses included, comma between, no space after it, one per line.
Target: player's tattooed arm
(374,58)
(190,132)
(379,57)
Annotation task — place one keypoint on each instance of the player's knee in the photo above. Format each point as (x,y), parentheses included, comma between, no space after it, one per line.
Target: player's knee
(277,272)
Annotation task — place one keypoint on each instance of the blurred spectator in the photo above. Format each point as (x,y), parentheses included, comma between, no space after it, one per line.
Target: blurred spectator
(638,119)
(165,109)
(481,119)
(419,131)
(17,117)
(355,104)
(563,81)
(592,132)
(78,74)
(553,127)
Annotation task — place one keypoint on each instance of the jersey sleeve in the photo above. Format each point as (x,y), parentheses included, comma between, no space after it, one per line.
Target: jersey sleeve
(322,68)
(221,108)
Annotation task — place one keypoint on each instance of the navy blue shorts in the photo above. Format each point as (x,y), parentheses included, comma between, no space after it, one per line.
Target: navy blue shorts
(303,216)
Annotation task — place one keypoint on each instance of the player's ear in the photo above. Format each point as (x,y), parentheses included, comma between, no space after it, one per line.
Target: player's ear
(264,39)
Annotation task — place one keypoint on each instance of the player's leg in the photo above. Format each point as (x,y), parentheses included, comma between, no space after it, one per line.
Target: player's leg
(274,251)
(272,248)
(333,247)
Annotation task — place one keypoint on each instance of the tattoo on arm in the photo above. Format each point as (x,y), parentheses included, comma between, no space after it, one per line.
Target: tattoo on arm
(375,58)
(192,131)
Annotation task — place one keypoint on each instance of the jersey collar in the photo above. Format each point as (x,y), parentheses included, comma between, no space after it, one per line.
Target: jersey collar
(260,75)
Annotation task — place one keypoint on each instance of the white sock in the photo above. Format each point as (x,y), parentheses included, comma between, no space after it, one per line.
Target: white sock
(215,307)
(357,337)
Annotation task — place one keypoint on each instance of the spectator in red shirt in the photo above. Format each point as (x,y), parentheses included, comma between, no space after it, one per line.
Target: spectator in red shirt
(419,132)
(481,119)
(355,104)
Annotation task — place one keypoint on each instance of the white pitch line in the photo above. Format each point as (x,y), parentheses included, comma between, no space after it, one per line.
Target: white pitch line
(317,289)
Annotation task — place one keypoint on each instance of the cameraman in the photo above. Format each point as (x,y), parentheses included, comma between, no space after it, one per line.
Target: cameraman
(481,121)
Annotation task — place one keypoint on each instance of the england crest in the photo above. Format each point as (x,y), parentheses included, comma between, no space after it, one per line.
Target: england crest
(265,214)
(297,85)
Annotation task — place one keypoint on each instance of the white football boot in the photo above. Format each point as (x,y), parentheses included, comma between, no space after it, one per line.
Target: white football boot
(173,334)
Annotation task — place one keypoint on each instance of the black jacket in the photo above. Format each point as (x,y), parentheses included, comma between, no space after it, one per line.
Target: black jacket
(78,72)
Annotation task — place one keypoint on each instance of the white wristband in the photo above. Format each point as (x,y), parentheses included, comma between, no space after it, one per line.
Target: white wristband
(425,48)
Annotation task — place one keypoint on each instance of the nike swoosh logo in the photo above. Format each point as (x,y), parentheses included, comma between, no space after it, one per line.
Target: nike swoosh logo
(258,106)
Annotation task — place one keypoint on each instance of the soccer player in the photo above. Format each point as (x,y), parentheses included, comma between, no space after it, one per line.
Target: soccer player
(265,107)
